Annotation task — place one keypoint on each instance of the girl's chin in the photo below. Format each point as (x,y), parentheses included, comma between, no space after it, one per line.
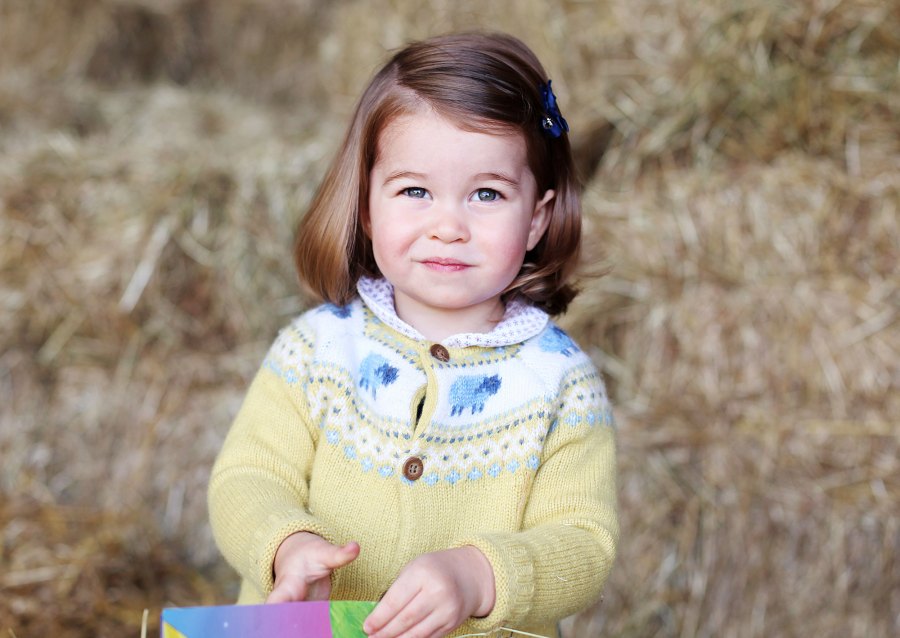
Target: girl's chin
(450,305)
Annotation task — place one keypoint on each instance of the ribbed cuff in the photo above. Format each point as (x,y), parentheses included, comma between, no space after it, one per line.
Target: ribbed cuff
(513,580)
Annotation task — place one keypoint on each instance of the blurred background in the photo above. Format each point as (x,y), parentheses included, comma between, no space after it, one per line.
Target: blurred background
(740,161)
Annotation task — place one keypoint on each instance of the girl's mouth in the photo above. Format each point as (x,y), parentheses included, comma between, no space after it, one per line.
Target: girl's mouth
(444,265)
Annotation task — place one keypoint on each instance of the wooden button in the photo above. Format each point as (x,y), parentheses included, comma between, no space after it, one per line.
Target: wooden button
(413,468)
(439,352)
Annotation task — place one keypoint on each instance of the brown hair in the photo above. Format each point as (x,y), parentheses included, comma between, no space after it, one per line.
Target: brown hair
(481,82)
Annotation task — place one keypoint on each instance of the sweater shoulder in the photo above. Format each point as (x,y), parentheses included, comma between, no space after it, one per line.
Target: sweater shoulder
(581,399)
(323,329)
(555,356)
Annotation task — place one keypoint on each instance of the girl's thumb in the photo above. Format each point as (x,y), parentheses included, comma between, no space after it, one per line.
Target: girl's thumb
(344,555)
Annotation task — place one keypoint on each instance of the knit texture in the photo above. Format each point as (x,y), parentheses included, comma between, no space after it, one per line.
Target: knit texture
(517,448)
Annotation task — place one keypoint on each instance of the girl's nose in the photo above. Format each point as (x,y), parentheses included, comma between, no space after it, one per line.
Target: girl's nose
(448,224)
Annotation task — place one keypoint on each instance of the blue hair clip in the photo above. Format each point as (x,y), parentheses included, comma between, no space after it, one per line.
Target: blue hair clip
(552,121)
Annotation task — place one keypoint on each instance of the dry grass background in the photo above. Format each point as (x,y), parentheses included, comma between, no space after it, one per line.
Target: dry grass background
(741,162)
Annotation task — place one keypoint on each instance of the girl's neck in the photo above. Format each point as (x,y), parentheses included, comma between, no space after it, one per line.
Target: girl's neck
(437,324)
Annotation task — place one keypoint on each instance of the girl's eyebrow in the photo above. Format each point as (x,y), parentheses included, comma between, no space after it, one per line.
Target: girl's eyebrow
(510,181)
(393,177)
(500,177)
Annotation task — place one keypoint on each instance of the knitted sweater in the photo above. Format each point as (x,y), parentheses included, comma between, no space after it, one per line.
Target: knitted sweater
(357,428)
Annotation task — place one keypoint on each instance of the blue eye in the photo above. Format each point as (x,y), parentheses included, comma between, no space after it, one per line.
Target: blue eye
(416,192)
(487,195)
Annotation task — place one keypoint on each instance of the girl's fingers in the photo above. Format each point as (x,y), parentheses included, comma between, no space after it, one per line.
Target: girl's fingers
(319,590)
(287,592)
(310,578)
(416,619)
(395,602)
(427,627)
(340,556)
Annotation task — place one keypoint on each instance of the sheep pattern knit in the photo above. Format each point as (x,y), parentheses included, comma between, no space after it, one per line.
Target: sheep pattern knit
(512,433)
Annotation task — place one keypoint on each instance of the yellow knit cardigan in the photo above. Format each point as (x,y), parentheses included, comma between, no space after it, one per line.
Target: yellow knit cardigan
(514,444)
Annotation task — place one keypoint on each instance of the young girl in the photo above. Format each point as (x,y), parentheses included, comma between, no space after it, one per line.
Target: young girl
(427,437)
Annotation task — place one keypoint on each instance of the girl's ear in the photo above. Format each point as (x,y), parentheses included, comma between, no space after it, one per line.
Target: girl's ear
(543,208)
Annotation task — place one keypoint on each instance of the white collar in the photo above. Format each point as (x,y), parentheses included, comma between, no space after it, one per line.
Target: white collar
(520,321)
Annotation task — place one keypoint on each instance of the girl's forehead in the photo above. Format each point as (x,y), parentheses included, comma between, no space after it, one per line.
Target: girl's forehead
(446,156)
(427,129)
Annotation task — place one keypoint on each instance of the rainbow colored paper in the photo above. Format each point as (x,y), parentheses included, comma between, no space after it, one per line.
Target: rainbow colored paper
(319,619)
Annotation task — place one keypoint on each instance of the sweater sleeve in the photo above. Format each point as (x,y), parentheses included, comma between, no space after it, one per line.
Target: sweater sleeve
(558,563)
(259,486)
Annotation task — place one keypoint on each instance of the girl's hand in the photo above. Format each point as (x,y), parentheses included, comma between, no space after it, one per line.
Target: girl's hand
(303,566)
(434,594)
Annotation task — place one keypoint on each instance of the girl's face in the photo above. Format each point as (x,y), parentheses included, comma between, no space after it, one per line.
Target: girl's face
(451,214)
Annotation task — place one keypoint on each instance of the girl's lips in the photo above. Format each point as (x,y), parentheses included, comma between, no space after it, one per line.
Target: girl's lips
(444,265)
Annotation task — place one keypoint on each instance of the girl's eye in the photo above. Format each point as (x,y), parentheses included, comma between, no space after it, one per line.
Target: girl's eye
(487,195)
(416,192)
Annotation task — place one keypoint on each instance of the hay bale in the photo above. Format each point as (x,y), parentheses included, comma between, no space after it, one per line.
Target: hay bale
(755,354)
(75,571)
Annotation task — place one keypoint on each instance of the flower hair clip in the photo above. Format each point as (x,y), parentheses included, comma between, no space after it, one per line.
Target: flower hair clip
(552,121)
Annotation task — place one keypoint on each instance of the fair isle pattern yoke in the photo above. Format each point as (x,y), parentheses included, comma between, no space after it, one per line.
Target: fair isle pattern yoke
(484,412)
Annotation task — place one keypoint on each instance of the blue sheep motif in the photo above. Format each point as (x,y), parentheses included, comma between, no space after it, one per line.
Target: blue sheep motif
(472,392)
(555,340)
(374,371)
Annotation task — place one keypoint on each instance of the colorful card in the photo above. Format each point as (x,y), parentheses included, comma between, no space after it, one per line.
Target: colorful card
(314,619)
